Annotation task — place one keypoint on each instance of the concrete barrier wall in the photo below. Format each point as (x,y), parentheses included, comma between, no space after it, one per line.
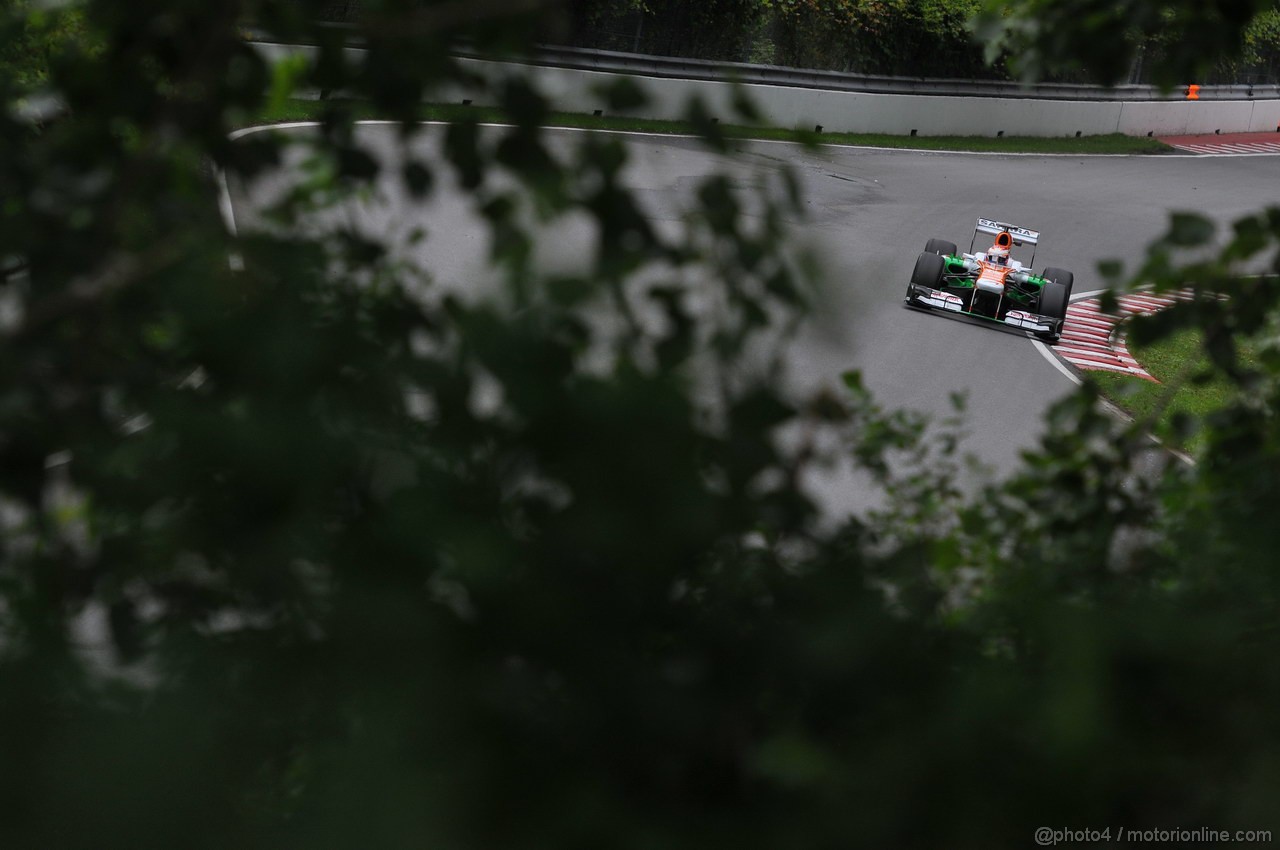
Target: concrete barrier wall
(576,90)
(1266,117)
(1236,116)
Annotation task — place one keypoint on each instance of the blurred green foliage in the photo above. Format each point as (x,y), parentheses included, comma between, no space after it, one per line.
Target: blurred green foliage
(1166,44)
(35,34)
(910,38)
(710,29)
(298,550)
(1144,42)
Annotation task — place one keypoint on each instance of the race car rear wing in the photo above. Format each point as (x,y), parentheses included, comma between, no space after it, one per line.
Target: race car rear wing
(1020,235)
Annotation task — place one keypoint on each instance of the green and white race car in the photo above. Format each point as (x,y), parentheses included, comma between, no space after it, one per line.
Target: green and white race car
(991,284)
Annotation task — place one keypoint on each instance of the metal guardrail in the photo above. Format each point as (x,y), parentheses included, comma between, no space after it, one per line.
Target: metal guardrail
(697,69)
(577,58)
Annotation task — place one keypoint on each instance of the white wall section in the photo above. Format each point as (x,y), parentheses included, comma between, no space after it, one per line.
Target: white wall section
(579,90)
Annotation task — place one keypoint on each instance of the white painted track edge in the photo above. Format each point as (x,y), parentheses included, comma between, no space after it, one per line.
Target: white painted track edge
(293,125)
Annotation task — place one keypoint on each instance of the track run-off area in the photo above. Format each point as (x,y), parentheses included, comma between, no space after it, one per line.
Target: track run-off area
(868,213)
(1227,144)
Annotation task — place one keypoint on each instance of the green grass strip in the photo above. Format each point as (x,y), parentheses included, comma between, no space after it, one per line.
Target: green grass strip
(1185,388)
(1113,143)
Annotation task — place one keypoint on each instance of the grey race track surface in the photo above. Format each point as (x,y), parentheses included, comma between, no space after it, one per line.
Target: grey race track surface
(869,213)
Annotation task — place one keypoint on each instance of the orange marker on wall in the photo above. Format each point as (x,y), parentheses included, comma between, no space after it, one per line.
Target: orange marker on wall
(1193,92)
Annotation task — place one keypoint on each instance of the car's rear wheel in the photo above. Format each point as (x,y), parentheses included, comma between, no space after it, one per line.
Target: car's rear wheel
(941,246)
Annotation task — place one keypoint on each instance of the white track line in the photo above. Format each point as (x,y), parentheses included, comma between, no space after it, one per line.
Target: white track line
(1054,360)
(1115,411)
(292,125)
(1092,342)
(235,260)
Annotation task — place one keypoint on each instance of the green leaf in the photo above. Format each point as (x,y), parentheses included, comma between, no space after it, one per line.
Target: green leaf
(286,73)
(1188,230)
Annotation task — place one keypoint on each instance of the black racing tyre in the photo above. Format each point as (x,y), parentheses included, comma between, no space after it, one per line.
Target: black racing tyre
(1053,299)
(1061,276)
(928,271)
(941,246)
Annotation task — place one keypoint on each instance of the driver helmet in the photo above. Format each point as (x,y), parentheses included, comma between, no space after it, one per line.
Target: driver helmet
(999,252)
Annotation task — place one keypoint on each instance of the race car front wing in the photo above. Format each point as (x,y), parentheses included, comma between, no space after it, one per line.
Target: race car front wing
(938,299)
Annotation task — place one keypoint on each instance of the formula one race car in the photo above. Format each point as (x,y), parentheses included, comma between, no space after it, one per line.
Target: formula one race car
(992,285)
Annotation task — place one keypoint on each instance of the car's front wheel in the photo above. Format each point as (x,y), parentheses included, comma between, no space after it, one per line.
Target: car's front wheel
(927,272)
(1056,296)
(1063,278)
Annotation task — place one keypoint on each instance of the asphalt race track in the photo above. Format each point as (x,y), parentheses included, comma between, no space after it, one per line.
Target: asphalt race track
(869,213)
